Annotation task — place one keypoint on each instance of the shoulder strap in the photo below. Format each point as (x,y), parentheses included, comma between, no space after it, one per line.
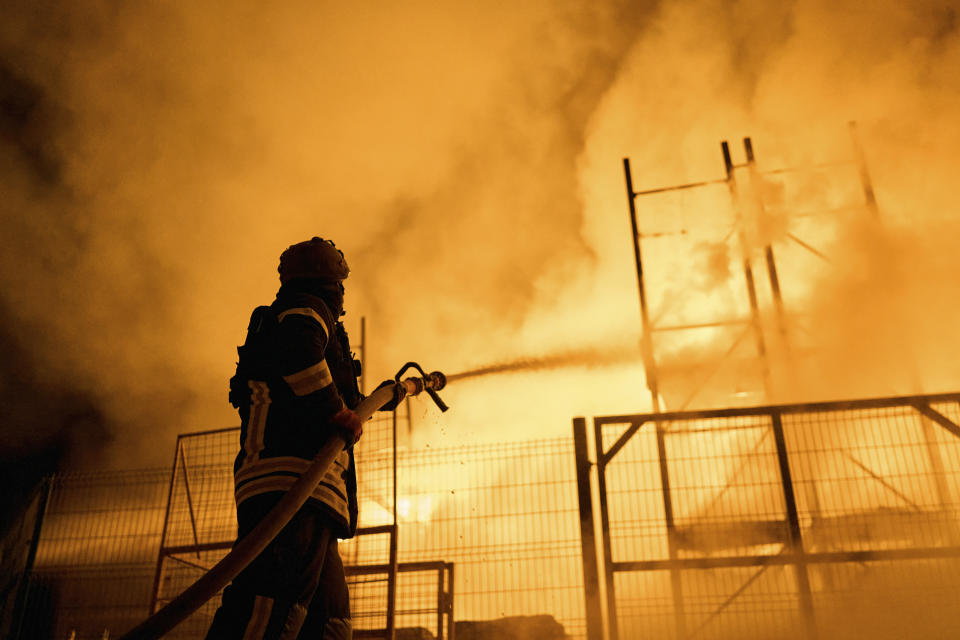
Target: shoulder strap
(262,320)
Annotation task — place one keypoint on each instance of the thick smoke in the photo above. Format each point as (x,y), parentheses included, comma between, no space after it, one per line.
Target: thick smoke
(158,157)
(868,302)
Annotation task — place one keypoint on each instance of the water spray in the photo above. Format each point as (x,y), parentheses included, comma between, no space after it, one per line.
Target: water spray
(248,548)
(593,356)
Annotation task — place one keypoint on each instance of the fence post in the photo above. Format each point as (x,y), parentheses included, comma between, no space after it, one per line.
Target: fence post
(158,573)
(588,538)
(793,522)
(676,580)
(392,585)
(20,606)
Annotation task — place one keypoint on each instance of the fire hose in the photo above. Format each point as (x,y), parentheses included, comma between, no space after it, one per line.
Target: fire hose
(249,547)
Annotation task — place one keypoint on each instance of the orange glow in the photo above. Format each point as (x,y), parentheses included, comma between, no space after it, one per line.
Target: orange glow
(466,157)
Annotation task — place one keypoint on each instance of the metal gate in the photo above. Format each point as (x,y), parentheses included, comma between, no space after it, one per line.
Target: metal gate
(769,521)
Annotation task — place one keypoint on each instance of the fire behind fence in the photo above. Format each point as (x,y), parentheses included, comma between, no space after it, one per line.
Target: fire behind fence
(815,518)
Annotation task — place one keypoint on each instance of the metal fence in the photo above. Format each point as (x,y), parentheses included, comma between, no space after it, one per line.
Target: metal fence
(18,549)
(200,527)
(491,528)
(506,515)
(95,556)
(786,521)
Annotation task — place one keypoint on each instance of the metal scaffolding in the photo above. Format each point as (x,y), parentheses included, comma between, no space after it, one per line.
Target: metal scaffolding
(750,322)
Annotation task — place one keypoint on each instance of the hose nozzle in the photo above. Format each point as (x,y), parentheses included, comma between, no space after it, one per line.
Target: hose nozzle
(429,382)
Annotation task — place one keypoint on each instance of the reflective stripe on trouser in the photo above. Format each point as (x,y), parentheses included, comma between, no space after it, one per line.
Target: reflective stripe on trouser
(338,629)
(259,617)
(300,574)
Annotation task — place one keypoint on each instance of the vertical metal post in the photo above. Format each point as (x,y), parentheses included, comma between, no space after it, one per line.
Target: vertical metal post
(767,249)
(363,354)
(393,422)
(747,269)
(646,339)
(870,197)
(613,625)
(676,579)
(392,587)
(793,523)
(23,593)
(441,600)
(451,626)
(936,462)
(158,574)
(588,538)
(394,534)
(186,486)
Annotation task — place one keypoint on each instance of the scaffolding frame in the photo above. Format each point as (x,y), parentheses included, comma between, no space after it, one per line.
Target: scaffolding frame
(753,321)
(786,531)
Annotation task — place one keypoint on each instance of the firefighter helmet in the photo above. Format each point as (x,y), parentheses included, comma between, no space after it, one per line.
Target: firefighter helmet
(315,258)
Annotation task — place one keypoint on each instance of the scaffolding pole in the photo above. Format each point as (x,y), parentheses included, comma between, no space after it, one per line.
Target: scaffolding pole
(747,270)
(646,339)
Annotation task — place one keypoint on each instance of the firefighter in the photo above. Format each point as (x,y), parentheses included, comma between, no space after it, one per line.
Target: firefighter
(295,387)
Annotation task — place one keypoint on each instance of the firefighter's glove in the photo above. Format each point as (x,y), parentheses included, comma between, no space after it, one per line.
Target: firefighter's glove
(349,424)
(398,395)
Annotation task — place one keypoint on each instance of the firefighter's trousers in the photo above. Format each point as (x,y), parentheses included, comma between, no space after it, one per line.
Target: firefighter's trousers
(295,589)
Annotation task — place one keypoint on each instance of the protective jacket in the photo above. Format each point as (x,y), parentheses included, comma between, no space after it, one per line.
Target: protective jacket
(295,371)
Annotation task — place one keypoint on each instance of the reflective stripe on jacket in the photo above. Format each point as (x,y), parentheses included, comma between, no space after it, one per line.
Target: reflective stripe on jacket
(299,372)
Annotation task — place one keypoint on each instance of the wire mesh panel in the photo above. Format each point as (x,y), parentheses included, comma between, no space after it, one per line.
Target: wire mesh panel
(201,527)
(17,552)
(424,599)
(903,598)
(96,556)
(202,508)
(178,570)
(721,603)
(201,522)
(506,516)
(764,522)
(874,479)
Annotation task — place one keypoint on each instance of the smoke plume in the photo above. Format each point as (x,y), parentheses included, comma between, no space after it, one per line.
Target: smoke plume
(158,157)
